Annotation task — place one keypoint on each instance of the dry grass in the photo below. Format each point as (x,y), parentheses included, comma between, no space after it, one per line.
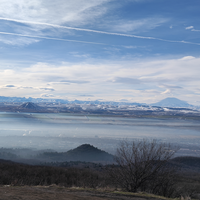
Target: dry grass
(54,192)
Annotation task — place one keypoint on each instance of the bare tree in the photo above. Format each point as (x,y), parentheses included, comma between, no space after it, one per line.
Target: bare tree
(139,163)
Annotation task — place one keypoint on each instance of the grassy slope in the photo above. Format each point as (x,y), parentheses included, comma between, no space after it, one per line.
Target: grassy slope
(61,193)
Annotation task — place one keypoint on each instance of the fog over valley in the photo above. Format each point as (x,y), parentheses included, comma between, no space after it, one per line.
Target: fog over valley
(61,127)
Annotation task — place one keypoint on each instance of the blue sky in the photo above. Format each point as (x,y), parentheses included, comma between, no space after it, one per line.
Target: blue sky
(111,50)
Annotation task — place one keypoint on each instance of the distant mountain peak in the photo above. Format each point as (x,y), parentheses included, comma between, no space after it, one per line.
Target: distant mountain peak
(29,105)
(172,102)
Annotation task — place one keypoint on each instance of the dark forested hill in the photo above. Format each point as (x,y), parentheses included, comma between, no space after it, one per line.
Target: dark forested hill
(85,152)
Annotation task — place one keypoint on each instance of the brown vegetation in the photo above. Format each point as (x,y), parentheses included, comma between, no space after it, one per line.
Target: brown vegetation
(54,192)
(20,174)
(143,166)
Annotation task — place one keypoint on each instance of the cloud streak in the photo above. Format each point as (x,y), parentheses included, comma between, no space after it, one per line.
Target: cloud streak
(50,38)
(189,27)
(47,89)
(192,28)
(195,30)
(10,86)
(89,30)
(136,25)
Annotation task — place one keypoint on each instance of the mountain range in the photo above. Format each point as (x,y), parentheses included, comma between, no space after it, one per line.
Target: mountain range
(168,102)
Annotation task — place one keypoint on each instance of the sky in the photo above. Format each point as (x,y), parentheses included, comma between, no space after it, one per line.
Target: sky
(109,50)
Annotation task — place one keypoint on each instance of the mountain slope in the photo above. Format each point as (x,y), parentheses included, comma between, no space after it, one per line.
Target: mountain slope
(29,106)
(172,102)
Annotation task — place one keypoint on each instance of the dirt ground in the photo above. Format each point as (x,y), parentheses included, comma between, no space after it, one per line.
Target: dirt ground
(59,193)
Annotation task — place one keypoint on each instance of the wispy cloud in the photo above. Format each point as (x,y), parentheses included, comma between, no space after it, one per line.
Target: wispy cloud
(171,86)
(195,30)
(189,27)
(134,26)
(78,12)
(10,86)
(132,81)
(47,38)
(20,41)
(16,87)
(94,31)
(167,91)
(192,28)
(74,81)
(47,89)
(86,95)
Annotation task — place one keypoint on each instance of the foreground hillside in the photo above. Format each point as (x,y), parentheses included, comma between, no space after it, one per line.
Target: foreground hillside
(21,181)
(169,177)
(61,193)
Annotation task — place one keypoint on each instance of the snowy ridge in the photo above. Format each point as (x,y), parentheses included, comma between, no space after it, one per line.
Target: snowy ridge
(166,105)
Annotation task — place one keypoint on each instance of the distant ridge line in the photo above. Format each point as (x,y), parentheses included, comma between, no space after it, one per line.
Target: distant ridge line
(62,101)
(167,102)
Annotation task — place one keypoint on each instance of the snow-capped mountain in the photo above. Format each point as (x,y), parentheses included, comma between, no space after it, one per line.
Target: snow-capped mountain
(168,102)
(63,101)
(172,102)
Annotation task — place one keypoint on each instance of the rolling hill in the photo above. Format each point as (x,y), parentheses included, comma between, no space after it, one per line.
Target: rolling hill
(85,152)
